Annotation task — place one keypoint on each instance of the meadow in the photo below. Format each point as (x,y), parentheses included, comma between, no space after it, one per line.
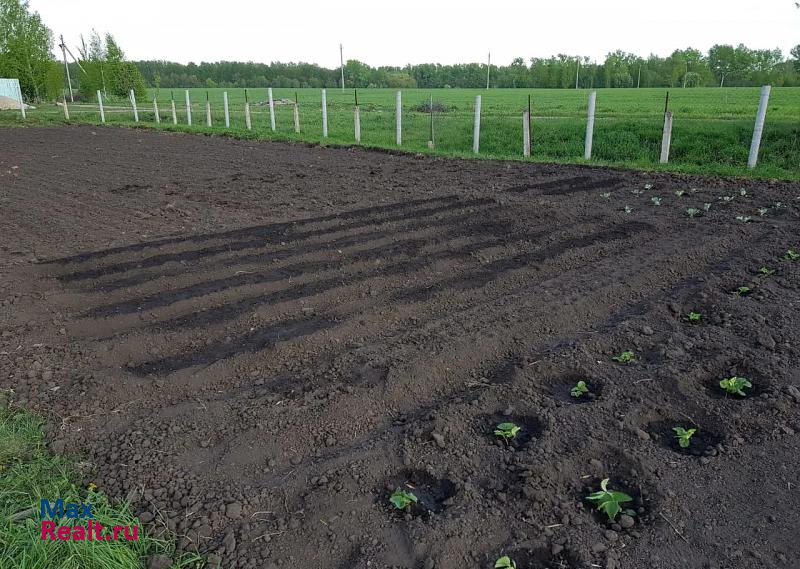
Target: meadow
(711,134)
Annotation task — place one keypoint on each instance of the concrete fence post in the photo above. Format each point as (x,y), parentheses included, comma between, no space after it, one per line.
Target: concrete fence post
(666,138)
(66,109)
(297,118)
(526,134)
(102,110)
(587,147)
(271,109)
(133,104)
(476,130)
(324,114)
(155,110)
(226,109)
(357,122)
(247,120)
(174,113)
(758,130)
(188,109)
(21,102)
(399,118)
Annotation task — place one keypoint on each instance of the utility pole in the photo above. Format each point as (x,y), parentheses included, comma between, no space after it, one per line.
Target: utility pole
(488,70)
(341,61)
(66,67)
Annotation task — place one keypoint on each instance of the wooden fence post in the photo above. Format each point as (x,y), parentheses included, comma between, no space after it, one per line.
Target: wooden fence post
(587,147)
(102,110)
(758,130)
(476,130)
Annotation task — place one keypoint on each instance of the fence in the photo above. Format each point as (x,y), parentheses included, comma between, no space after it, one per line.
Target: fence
(480,124)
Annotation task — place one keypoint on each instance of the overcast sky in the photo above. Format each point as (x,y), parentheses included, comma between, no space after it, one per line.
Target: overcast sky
(417,31)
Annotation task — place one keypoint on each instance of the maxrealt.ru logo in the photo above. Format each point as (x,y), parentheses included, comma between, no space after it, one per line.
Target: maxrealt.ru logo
(52,512)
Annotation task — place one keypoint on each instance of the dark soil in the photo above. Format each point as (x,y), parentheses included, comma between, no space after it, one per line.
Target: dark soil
(255,343)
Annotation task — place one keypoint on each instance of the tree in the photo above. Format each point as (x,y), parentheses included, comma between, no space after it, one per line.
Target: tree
(25,50)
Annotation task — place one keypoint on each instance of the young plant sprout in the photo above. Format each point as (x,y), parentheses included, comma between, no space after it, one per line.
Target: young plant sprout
(766,271)
(706,206)
(762,211)
(684,436)
(656,200)
(791,255)
(694,317)
(727,198)
(402,500)
(507,431)
(648,186)
(680,193)
(693,212)
(625,357)
(743,291)
(505,562)
(744,218)
(609,501)
(627,209)
(736,385)
(605,195)
(637,192)
(580,389)
(742,192)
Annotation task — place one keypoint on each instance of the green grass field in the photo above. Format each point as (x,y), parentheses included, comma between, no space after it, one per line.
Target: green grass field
(711,134)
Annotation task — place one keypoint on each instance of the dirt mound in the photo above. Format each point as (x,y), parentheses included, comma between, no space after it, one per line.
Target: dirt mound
(259,343)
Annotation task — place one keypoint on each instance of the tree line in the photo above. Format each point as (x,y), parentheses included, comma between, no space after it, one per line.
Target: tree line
(722,65)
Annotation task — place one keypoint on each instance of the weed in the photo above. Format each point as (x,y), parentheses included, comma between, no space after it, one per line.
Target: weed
(505,562)
(580,389)
(694,316)
(693,212)
(402,500)
(791,255)
(684,436)
(625,357)
(736,385)
(507,431)
(609,501)
(656,200)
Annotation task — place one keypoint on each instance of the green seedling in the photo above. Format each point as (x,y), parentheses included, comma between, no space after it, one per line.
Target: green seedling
(648,186)
(762,211)
(656,200)
(505,562)
(706,206)
(693,212)
(779,205)
(684,436)
(680,193)
(580,389)
(791,255)
(727,198)
(609,501)
(637,192)
(742,192)
(625,357)
(766,271)
(694,317)
(627,209)
(402,500)
(743,291)
(744,218)
(507,431)
(736,385)
(605,195)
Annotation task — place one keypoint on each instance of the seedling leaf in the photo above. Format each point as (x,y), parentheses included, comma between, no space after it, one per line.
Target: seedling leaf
(580,389)
(609,501)
(684,436)
(505,562)
(402,500)
(736,385)
(507,431)
(625,357)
